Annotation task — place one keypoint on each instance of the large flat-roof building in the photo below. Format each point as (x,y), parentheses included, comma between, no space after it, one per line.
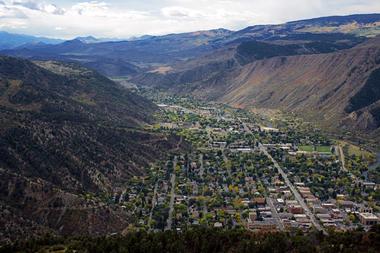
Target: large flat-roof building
(368,219)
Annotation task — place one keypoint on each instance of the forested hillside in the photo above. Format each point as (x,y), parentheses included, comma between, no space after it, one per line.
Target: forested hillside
(209,240)
(65,133)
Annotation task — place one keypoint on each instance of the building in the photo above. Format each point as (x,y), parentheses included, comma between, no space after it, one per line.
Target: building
(346,204)
(280,202)
(252,216)
(340,196)
(218,225)
(301,218)
(365,209)
(295,209)
(219,144)
(267,225)
(325,216)
(368,219)
(269,129)
(259,201)
(336,214)
(319,209)
(312,200)
(328,205)
(369,185)
(266,214)
(287,193)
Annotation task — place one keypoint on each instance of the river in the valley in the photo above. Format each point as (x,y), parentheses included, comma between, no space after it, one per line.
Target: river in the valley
(377,163)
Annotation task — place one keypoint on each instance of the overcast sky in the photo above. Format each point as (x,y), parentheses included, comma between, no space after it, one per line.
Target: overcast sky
(126,18)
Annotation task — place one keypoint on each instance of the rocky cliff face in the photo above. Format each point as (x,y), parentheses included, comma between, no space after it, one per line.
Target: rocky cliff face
(325,84)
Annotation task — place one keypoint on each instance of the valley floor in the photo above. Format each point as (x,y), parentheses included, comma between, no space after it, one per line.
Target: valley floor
(250,171)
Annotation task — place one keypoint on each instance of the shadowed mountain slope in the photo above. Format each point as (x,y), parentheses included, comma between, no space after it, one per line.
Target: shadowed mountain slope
(66,131)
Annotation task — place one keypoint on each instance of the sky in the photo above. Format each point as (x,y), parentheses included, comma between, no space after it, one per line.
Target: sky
(128,18)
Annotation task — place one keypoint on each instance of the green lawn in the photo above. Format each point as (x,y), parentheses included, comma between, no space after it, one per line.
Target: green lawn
(323,149)
(306,148)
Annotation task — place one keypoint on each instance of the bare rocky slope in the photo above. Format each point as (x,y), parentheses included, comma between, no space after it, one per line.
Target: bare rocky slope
(336,87)
(339,89)
(325,69)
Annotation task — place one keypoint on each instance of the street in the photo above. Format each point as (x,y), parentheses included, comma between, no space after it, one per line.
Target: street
(172,196)
(295,192)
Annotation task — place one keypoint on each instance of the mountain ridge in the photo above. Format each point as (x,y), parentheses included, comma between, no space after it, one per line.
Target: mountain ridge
(318,86)
(128,58)
(211,63)
(12,40)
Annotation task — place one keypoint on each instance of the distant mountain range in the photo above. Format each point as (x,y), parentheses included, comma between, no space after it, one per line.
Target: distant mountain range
(121,58)
(238,67)
(124,58)
(10,40)
(325,69)
(336,89)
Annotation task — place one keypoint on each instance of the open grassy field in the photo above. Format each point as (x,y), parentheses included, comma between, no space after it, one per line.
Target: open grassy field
(323,149)
(357,151)
(308,148)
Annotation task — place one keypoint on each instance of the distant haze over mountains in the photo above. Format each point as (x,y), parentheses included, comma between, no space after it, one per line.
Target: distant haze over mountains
(237,67)
(12,40)
(26,38)
(9,40)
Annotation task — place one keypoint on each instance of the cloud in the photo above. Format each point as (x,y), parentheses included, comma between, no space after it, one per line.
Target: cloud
(54,9)
(115,18)
(180,12)
(39,6)
(28,4)
(10,13)
(93,8)
(7,23)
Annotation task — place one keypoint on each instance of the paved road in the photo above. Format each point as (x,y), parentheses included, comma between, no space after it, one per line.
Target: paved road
(342,158)
(172,196)
(273,209)
(225,159)
(201,172)
(246,128)
(201,167)
(121,199)
(269,200)
(153,205)
(295,192)
(275,213)
(344,168)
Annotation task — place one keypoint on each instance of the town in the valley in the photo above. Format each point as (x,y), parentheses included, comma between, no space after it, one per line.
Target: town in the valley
(253,170)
